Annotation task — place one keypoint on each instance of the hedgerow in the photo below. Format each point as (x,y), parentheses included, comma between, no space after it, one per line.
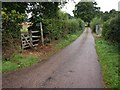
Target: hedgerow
(56,29)
(111,29)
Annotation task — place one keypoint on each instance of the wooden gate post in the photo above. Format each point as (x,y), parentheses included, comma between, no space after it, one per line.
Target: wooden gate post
(42,39)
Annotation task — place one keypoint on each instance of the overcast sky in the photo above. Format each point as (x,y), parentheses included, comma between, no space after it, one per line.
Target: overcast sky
(105,5)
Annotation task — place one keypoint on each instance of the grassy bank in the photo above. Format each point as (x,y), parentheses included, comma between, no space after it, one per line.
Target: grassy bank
(108,57)
(18,61)
(67,40)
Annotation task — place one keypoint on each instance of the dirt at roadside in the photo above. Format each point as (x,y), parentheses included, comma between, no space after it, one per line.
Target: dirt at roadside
(42,51)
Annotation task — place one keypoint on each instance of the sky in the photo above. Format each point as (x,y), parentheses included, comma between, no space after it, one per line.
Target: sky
(105,5)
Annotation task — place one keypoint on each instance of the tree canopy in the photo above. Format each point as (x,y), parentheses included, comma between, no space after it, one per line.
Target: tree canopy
(86,10)
(18,6)
(42,10)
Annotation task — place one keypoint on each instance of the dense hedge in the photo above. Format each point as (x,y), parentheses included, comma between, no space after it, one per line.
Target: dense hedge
(11,31)
(105,27)
(10,22)
(56,29)
(111,29)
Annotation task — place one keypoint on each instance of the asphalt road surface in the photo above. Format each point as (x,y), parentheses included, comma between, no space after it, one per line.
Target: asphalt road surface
(76,66)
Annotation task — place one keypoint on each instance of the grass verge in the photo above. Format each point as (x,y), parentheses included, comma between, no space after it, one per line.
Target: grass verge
(68,39)
(108,57)
(17,62)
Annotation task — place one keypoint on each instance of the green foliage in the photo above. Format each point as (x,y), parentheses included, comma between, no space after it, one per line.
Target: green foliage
(18,6)
(111,29)
(8,66)
(68,39)
(86,10)
(108,57)
(62,15)
(94,22)
(108,15)
(56,29)
(56,24)
(13,13)
(113,34)
(106,27)
(10,24)
(45,10)
(18,62)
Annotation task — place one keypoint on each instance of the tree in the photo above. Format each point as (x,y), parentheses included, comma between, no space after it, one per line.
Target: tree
(111,14)
(18,6)
(86,10)
(106,16)
(42,10)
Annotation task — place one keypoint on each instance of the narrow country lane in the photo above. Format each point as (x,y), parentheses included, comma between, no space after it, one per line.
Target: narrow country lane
(76,66)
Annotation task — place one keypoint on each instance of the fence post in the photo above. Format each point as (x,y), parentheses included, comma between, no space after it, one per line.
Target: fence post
(42,39)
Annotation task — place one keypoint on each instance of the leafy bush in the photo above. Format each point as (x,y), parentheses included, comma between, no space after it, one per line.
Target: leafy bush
(105,27)
(56,29)
(111,30)
(113,33)
(94,22)
(10,22)
(11,31)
